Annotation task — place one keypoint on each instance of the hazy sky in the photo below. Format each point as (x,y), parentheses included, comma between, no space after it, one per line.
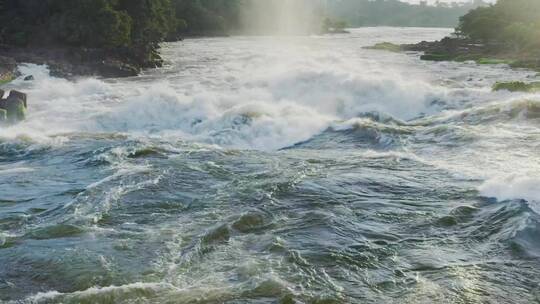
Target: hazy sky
(449,1)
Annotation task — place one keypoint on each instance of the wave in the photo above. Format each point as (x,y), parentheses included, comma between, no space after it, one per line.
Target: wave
(359,133)
(122,294)
(523,186)
(286,102)
(517,108)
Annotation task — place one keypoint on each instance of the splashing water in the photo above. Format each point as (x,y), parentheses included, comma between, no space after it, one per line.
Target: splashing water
(274,170)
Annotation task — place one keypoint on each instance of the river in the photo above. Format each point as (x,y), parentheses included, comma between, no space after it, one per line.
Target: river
(275,170)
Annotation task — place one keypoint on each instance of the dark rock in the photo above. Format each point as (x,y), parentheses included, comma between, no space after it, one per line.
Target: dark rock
(1,93)
(116,68)
(3,116)
(13,108)
(249,222)
(29,78)
(17,95)
(16,111)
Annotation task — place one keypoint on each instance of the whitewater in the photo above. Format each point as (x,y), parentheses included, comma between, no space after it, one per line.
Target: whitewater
(292,169)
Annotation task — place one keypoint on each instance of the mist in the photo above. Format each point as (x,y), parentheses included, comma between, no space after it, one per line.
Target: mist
(282,17)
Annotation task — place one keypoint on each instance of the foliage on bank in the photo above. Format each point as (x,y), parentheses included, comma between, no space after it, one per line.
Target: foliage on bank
(507,32)
(509,25)
(125,30)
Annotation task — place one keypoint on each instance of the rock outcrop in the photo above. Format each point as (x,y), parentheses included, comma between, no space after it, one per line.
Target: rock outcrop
(13,108)
(461,49)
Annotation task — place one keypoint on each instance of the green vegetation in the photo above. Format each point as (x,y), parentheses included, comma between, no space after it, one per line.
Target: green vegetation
(507,32)
(517,86)
(6,78)
(333,26)
(509,25)
(494,61)
(386,46)
(128,29)
(111,23)
(397,13)
(207,17)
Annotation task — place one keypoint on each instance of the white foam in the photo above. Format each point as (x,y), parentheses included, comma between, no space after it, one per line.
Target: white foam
(56,105)
(269,110)
(514,186)
(44,297)
(256,93)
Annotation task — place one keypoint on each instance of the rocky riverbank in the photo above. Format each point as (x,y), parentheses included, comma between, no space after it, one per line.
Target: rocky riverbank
(459,49)
(69,62)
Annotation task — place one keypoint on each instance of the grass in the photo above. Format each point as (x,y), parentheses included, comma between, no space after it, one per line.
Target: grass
(517,86)
(385,46)
(494,61)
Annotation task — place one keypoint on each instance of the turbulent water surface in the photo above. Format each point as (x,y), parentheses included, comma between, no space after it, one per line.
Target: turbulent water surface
(275,170)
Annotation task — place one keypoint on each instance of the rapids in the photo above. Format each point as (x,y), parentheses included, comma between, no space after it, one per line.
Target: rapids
(275,170)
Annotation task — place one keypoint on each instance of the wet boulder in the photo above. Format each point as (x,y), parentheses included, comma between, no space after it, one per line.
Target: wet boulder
(29,78)
(3,116)
(13,108)
(18,95)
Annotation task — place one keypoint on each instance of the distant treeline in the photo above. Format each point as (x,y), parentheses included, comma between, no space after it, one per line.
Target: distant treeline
(513,25)
(359,13)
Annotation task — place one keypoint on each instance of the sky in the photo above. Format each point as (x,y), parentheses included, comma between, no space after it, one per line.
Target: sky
(448,1)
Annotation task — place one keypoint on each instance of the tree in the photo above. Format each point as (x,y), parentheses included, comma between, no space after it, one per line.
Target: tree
(511,24)
(92,23)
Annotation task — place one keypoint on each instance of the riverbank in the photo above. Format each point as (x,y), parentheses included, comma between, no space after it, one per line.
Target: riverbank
(69,62)
(458,49)
(461,50)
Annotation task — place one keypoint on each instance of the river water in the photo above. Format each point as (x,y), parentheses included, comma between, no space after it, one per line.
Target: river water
(275,170)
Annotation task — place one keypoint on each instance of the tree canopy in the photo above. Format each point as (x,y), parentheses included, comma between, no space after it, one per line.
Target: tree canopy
(111,23)
(508,24)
